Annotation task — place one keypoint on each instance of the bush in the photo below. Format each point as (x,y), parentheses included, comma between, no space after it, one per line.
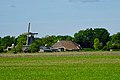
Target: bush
(34,47)
(1,49)
(88,49)
(115,46)
(105,48)
(14,50)
(115,49)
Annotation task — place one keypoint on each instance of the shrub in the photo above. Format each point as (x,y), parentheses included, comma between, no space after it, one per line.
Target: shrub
(115,46)
(1,49)
(14,50)
(88,49)
(34,47)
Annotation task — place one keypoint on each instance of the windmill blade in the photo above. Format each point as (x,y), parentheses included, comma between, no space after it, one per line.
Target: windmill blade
(29,28)
(34,33)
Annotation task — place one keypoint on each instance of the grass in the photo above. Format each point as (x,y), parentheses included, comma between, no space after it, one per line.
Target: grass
(60,66)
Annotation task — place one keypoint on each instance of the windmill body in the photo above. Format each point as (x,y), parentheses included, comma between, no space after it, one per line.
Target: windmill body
(30,36)
(30,39)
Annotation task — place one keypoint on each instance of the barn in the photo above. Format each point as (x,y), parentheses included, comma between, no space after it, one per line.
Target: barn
(65,45)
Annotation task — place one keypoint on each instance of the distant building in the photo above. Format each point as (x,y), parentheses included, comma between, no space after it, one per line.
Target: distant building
(66,46)
(46,49)
(11,47)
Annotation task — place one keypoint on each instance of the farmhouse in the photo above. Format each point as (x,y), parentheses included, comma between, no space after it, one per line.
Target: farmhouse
(66,46)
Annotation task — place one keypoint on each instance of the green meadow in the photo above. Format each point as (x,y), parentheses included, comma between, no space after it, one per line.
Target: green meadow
(60,66)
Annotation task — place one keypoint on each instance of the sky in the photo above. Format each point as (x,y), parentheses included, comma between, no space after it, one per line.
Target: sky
(58,17)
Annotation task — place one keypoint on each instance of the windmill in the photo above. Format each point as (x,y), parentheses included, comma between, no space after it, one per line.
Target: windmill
(30,36)
(30,39)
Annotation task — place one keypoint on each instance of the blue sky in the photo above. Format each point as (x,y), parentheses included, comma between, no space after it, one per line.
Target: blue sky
(58,17)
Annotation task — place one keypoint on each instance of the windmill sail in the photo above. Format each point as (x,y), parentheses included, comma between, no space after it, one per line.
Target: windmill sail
(27,42)
(28,28)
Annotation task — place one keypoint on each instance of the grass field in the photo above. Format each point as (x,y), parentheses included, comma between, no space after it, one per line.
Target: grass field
(60,66)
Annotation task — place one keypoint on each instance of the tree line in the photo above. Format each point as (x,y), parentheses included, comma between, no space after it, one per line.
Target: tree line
(89,39)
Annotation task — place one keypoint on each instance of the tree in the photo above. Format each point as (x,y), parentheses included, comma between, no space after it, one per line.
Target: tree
(1,49)
(102,34)
(86,37)
(115,46)
(48,41)
(20,41)
(115,38)
(7,41)
(34,47)
(115,41)
(109,45)
(0,41)
(80,38)
(96,43)
(19,47)
(66,37)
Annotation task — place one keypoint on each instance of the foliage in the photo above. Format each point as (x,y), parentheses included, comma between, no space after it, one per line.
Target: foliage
(102,34)
(34,47)
(115,38)
(115,46)
(19,47)
(0,41)
(111,46)
(86,37)
(1,49)
(63,66)
(64,37)
(97,44)
(21,39)
(108,46)
(48,41)
(7,41)
(87,49)
(14,50)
